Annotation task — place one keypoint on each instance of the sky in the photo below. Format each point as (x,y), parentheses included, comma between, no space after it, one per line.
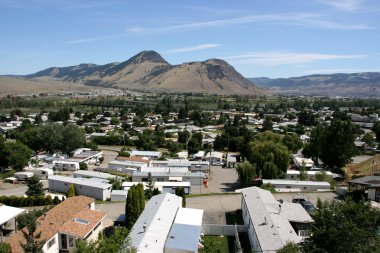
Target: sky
(259,38)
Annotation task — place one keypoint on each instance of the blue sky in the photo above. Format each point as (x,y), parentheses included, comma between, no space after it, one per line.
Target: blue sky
(272,38)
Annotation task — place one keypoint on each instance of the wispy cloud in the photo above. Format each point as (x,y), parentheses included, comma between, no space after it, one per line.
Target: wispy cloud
(345,5)
(298,19)
(93,39)
(191,49)
(273,58)
(340,70)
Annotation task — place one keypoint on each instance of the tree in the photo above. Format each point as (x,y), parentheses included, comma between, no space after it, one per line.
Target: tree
(272,159)
(71,192)
(17,155)
(246,172)
(292,142)
(150,186)
(134,205)
(290,247)
(33,243)
(74,138)
(184,136)
(369,140)
(24,219)
(116,241)
(307,118)
(35,187)
(180,191)
(83,166)
(333,219)
(5,247)
(303,172)
(195,143)
(268,124)
(338,144)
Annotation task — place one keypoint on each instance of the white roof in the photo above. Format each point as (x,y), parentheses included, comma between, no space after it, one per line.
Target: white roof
(185,232)
(80,181)
(8,212)
(96,174)
(310,172)
(145,153)
(164,169)
(271,224)
(157,218)
(283,182)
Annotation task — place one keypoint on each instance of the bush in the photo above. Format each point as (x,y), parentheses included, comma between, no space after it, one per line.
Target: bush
(83,166)
(16,201)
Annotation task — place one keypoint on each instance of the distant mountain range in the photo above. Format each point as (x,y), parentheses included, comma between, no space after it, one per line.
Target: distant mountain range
(149,72)
(356,84)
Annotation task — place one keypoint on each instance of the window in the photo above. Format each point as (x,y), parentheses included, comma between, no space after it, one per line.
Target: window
(51,243)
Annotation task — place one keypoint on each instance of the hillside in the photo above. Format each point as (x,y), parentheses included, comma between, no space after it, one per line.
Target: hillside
(26,86)
(356,84)
(148,71)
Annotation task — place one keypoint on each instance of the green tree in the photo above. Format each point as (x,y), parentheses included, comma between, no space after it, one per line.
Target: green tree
(338,144)
(292,142)
(333,219)
(5,247)
(135,204)
(184,136)
(195,143)
(74,138)
(303,172)
(71,192)
(246,172)
(33,243)
(35,187)
(369,140)
(83,166)
(17,155)
(180,191)
(272,159)
(269,187)
(268,124)
(150,186)
(24,219)
(290,247)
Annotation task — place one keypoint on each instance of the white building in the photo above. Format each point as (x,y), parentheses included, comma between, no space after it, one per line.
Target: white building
(66,165)
(283,185)
(164,226)
(311,175)
(163,187)
(271,224)
(83,186)
(149,154)
(300,161)
(93,174)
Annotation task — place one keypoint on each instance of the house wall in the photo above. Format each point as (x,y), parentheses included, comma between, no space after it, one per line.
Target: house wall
(199,167)
(301,187)
(53,248)
(95,233)
(372,194)
(115,197)
(193,180)
(71,166)
(171,189)
(255,245)
(97,193)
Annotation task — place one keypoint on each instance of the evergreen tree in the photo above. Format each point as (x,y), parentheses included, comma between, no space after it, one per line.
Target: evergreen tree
(33,243)
(71,192)
(180,191)
(35,187)
(150,187)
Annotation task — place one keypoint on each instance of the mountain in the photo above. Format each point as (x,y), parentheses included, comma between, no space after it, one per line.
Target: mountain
(355,84)
(148,71)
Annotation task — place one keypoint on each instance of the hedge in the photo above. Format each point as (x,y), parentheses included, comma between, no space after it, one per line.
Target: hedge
(17,201)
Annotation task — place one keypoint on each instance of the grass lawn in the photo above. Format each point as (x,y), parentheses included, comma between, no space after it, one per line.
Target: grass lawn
(364,168)
(215,244)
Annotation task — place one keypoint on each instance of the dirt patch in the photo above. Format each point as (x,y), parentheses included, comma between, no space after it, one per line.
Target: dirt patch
(363,168)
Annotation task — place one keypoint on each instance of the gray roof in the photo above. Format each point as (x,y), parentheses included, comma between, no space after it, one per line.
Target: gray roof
(171,174)
(271,224)
(96,174)
(367,180)
(80,181)
(157,217)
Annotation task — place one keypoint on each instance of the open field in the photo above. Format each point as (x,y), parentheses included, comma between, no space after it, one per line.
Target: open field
(363,168)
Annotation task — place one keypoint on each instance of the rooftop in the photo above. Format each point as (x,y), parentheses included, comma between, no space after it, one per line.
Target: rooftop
(367,180)
(152,228)
(57,220)
(82,181)
(270,220)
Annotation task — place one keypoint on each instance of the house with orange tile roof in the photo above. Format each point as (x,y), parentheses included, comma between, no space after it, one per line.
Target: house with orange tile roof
(61,227)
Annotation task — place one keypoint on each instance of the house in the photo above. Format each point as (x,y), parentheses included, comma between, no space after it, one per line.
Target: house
(214,156)
(66,165)
(311,175)
(85,155)
(126,166)
(42,173)
(149,154)
(283,185)
(367,184)
(163,187)
(271,224)
(83,186)
(164,226)
(195,178)
(93,174)
(61,227)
